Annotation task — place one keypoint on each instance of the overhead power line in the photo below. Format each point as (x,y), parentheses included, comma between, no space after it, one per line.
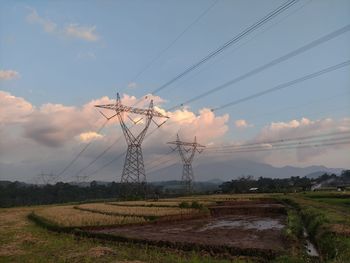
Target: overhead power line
(272,63)
(178,37)
(316,136)
(245,32)
(309,141)
(297,146)
(285,85)
(58,175)
(229,43)
(346,142)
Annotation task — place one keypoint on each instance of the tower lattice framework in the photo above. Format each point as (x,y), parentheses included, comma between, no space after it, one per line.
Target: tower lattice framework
(133,170)
(187,152)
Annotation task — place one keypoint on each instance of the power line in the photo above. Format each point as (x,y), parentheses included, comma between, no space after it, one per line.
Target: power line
(319,40)
(98,156)
(174,41)
(229,43)
(276,88)
(243,148)
(279,145)
(272,63)
(298,146)
(78,155)
(285,85)
(136,77)
(107,164)
(235,39)
(281,140)
(345,142)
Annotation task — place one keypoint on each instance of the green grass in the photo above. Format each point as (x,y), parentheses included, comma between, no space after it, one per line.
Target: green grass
(24,241)
(320,212)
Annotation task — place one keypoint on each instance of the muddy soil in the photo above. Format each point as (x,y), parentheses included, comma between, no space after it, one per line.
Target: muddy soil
(251,226)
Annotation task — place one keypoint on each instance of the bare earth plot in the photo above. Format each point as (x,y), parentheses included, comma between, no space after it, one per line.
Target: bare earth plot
(250,225)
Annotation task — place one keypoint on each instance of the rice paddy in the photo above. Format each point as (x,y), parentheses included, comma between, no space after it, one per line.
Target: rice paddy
(67,216)
(141,211)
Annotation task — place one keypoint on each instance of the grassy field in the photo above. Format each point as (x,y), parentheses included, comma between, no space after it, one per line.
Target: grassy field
(325,215)
(136,211)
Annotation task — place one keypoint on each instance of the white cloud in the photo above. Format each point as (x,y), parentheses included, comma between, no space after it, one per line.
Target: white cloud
(8,74)
(89,136)
(13,109)
(46,24)
(82,32)
(242,124)
(54,125)
(303,128)
(87,33)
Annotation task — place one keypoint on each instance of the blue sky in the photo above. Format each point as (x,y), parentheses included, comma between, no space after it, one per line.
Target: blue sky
(71,69)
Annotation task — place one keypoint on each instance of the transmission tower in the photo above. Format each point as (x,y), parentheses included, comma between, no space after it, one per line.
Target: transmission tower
(133,170)
(187,151)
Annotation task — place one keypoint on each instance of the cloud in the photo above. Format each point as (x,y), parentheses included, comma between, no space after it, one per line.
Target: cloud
(87,33)
(8,74)
(47,25)
(303,128)
(54,125)
(242,124)
(13,109)
(89,136)
(82,32)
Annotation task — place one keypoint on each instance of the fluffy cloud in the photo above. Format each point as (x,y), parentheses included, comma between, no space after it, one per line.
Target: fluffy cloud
(54,125)
(303,128)
(89,136)
(242,124)
(87,33)
(13,109)
(206,126)
(8,74)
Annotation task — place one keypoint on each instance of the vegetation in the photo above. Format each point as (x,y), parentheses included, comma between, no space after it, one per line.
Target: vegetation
(23,241)
(327,222)
(69,217)
(276,185)
(135,211)
(325,216)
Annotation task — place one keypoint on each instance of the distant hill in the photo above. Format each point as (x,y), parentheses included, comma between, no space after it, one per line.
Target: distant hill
(232,169)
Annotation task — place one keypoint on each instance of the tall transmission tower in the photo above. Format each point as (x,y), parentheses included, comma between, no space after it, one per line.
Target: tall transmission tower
(133,170)
(187,151)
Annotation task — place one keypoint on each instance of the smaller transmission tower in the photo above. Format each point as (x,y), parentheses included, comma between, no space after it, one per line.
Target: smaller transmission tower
(187,151)
(134,170)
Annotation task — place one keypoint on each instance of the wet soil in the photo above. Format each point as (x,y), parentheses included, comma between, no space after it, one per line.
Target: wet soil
(248,225)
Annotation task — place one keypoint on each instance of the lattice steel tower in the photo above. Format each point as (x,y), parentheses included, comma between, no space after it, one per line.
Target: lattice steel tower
(187,151)
(133,170)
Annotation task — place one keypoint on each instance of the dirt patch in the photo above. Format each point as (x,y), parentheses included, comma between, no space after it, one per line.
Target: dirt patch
(238,228)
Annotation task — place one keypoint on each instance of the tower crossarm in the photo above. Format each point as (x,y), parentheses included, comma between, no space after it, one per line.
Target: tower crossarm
(190,144)
(119,108)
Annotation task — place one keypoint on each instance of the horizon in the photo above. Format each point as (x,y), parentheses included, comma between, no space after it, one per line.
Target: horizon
(58,60)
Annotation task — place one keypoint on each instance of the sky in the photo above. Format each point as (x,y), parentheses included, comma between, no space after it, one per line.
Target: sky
(60,58)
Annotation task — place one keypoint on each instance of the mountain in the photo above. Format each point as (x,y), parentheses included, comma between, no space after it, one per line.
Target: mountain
(232,169)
